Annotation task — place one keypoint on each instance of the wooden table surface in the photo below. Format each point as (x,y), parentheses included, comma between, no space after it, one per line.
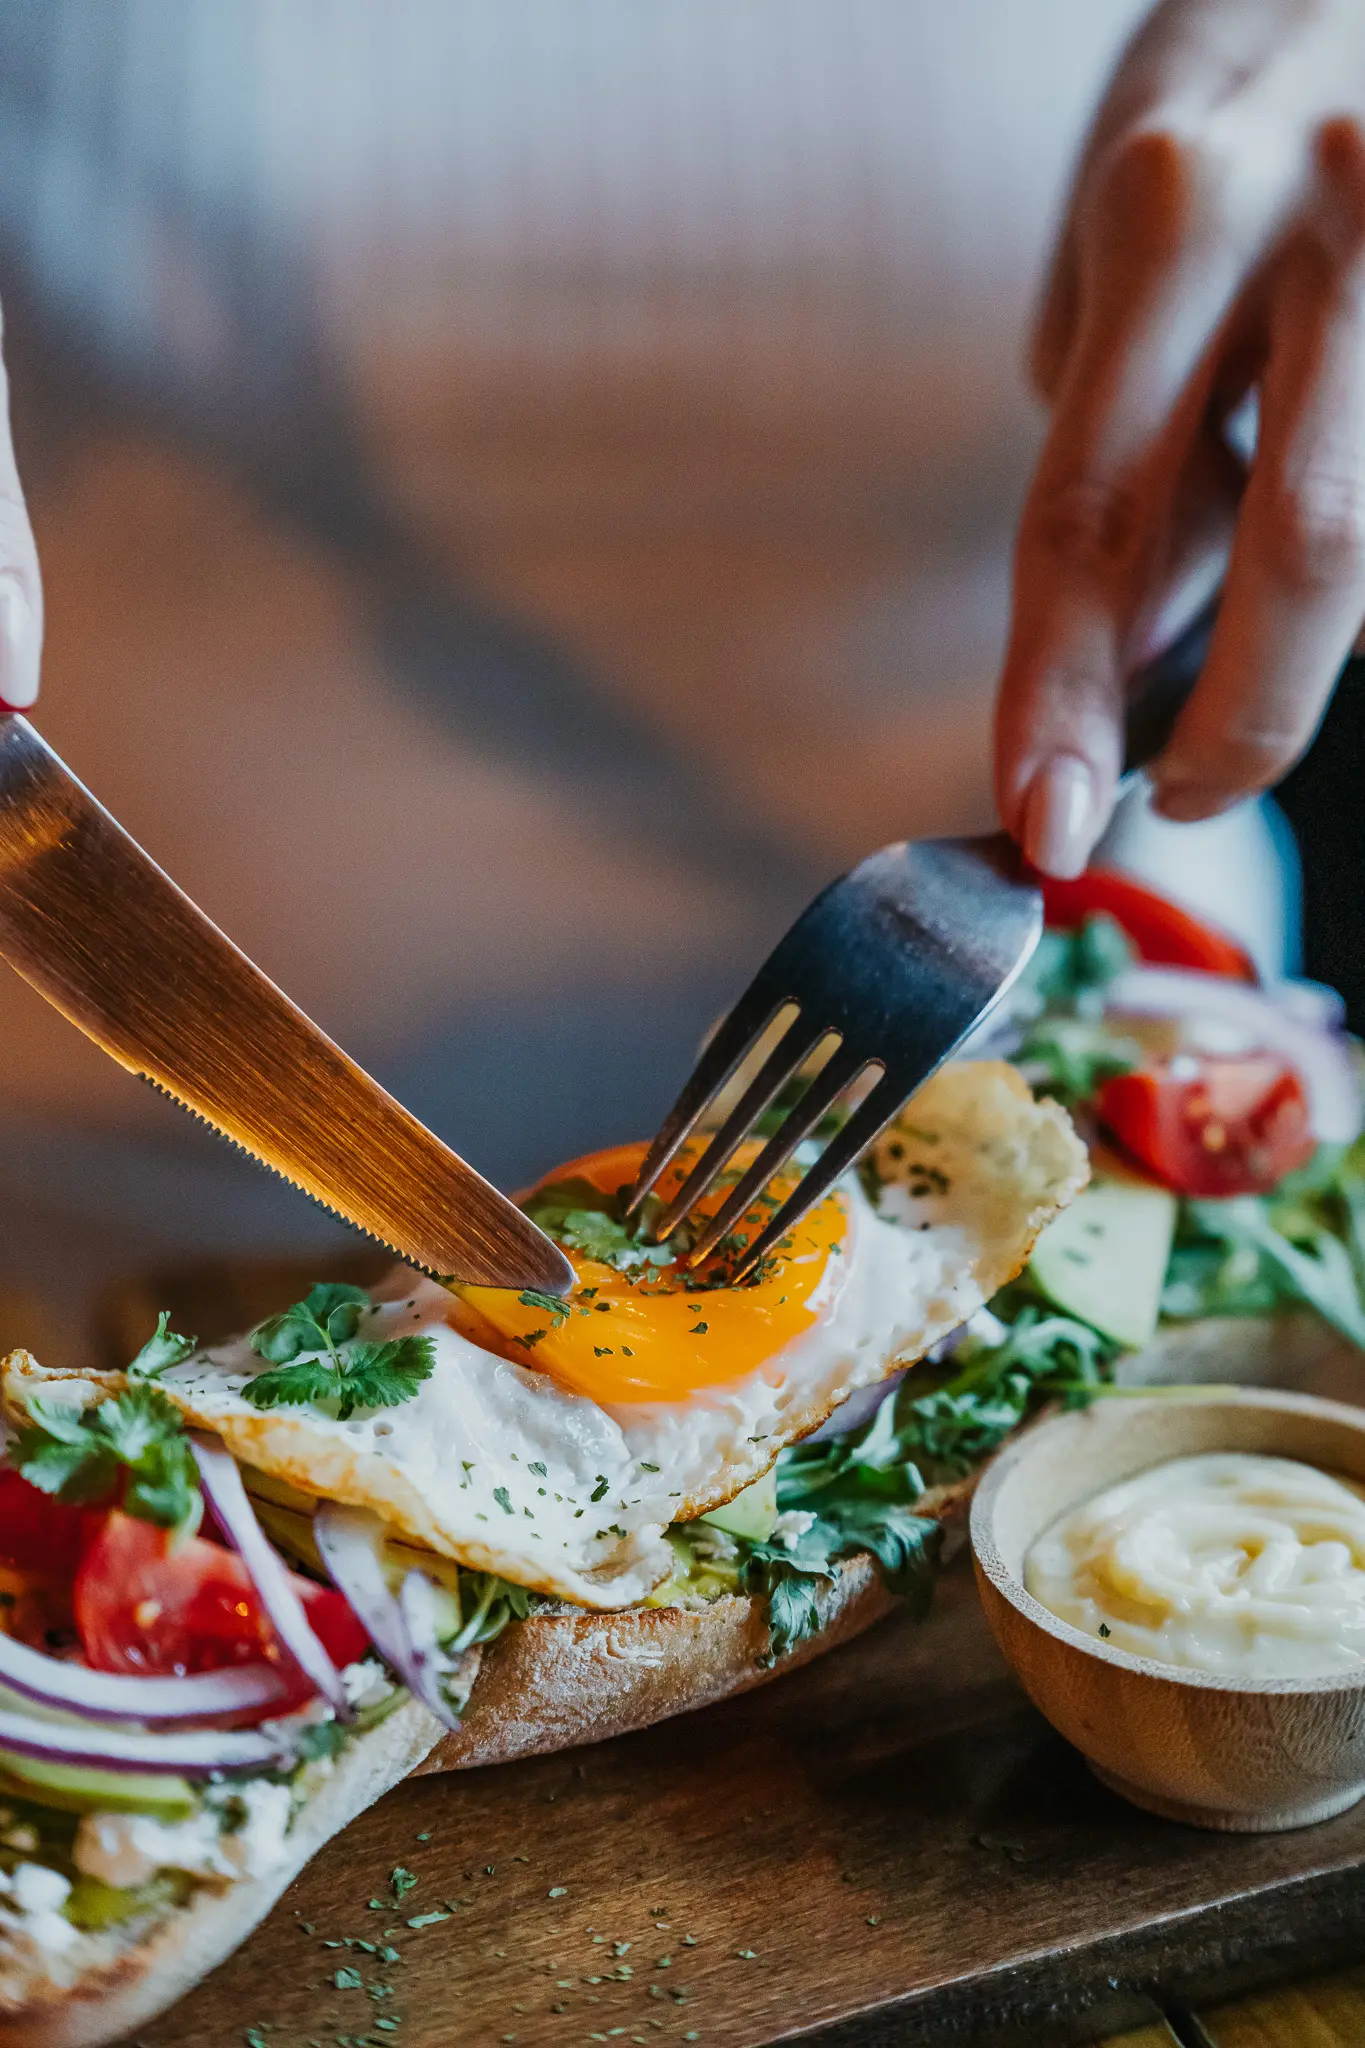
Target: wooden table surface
(888,1847)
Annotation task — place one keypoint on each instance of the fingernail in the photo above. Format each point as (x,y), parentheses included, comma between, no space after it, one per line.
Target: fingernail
(1185,803)
(19,647)
(1061,817)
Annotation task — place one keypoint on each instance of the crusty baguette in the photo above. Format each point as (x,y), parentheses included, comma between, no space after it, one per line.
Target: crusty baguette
(143,1968)
(555,1680)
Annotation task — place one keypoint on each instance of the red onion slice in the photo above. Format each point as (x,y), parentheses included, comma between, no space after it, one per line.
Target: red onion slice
(113,1696)
(1321,1057)
(123,1749)
(403,1631)
(284,1610)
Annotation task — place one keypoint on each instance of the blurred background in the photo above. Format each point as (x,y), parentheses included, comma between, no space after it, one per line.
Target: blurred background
(524,490)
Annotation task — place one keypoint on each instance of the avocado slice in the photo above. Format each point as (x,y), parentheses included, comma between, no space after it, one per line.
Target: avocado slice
(1104,1259)
(751,1514)
(74,1789)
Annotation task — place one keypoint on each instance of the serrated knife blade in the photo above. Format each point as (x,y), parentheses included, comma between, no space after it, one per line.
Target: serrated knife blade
(96,926)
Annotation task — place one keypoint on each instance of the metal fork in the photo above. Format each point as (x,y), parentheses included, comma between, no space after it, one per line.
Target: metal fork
(897,962)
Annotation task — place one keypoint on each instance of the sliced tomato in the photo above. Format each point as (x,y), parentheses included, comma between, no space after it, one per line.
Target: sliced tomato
(144,1603)
(37,1533)
(1161,932)
(1212,1126)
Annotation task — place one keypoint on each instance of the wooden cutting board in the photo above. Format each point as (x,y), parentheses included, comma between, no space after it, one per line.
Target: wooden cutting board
(890,1846)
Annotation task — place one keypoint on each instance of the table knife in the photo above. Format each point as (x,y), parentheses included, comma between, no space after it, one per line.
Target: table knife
(94,925)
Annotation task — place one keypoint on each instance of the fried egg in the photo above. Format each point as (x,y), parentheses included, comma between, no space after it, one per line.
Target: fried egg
(556,1449)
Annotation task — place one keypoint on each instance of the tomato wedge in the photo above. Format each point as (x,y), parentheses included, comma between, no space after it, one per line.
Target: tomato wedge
(144,1603)
(37,1533)
(1161,932)
(1209,1126)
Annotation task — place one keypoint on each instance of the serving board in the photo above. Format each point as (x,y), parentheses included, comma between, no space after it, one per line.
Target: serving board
(890,1846)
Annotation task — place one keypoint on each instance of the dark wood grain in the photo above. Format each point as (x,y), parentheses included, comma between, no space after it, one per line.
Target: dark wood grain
(908,1851)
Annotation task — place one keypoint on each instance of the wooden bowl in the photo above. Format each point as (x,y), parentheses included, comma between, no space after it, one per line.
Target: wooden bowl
(1216,1751)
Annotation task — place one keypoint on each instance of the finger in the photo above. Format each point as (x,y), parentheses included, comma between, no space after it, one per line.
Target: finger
(21,590)
(1295,589)
(1162,257)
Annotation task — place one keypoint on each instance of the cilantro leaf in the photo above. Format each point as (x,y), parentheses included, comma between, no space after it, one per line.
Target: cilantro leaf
(327,1317)
(139,1436)
(386,1375)
(317,1360)
(308,1380)
(163,1348)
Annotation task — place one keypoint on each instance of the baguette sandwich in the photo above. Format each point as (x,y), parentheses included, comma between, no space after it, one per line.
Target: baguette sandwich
(441,1530)
(249,1588)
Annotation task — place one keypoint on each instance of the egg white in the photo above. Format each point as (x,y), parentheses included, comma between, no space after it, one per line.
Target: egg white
(498,1466)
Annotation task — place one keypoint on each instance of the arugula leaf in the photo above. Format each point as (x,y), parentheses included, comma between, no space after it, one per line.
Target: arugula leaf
(163,1348)
(317,1359)
(80,1456)
(1256,1266)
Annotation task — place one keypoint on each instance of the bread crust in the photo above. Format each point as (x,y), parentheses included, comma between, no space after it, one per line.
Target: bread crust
(556,1680)
(160,1963)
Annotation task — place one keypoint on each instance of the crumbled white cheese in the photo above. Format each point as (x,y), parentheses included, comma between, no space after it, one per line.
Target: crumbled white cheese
(791,1526)
(239,1832)
(258,1816)
(37,1922)
(367,1684)
(126,1849)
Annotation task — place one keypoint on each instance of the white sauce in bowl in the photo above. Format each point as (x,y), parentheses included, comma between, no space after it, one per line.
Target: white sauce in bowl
(1245,1566)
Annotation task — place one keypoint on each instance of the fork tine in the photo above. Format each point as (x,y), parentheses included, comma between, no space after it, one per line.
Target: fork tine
(830,1082)
(796,1044)
(871,1116)
(737,1035)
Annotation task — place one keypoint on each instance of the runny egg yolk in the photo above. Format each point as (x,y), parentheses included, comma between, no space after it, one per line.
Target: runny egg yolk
(660,1333)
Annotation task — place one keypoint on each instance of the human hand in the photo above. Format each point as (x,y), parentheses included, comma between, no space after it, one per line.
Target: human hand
(21,588)
(1214,247)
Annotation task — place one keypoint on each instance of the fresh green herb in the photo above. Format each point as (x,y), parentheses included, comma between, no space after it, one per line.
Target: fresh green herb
(553,1305)
(860,1492)
(503,1499)
(322,1739)
(347,1979)
(162,1349)
(313,1347)
(1105,1630)
(582,1217)
(401,1882)
(136,1438)
(990,1387)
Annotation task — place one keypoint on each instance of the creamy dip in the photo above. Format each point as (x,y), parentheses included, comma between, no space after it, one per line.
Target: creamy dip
(1246,1566)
